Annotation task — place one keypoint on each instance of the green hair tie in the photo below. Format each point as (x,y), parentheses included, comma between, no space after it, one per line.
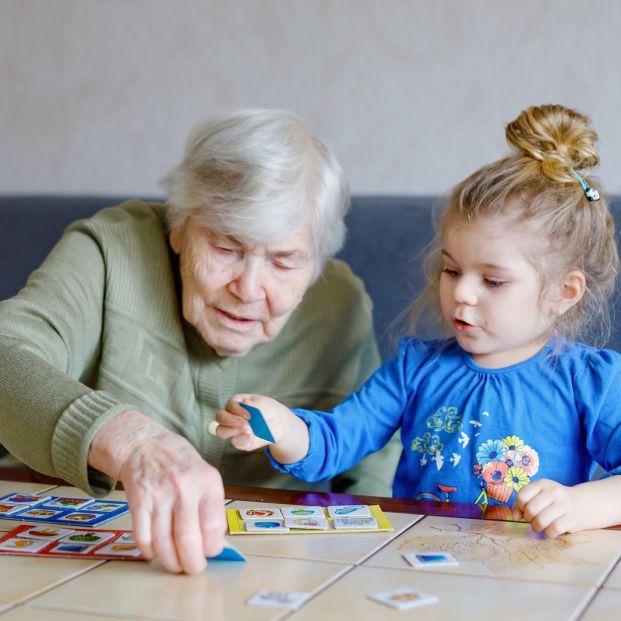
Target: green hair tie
(591,193)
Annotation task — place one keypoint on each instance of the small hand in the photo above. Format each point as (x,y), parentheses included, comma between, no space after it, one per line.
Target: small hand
(550,508)
(233,422)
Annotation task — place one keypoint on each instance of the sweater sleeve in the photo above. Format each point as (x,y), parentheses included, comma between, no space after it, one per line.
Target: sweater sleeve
(360,425)
(374,474)
(599,403)
(50,335)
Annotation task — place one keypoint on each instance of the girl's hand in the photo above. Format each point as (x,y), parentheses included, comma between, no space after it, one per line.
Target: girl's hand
(550,508)
(234,426)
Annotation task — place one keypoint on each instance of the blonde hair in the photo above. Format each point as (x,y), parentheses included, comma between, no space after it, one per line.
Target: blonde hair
(260,174)
(536,187)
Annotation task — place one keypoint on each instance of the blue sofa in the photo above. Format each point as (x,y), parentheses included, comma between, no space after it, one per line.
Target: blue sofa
(386,241)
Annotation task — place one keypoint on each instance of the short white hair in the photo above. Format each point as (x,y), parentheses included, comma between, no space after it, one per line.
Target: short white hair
(261,175)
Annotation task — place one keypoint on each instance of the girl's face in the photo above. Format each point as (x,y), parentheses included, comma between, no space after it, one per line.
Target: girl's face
(490,293)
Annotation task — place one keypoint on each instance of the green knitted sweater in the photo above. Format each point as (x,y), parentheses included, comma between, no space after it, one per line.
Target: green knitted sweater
(98,330)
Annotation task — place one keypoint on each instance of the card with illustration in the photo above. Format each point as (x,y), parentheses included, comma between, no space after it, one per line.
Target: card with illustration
(430,559)
(261,513)
(311,523)
(59,509)
(47,533)
(403,598)
(356,523)
(265,526)
(297,520)
(303,512)
(349,511)
(290,600)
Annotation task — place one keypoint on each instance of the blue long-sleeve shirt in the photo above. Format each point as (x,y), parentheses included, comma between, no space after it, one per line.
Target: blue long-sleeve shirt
(472,434)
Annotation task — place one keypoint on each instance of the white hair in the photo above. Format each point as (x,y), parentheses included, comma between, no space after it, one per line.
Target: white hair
(261,175)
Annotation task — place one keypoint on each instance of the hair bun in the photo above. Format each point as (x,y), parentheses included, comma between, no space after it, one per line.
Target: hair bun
(560,139)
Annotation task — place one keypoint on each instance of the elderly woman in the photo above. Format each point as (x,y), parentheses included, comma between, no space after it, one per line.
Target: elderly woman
(144,320)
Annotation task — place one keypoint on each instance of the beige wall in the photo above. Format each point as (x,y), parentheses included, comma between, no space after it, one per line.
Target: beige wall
(98,95)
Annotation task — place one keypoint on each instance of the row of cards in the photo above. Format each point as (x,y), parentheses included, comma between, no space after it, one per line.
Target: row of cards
(400,598)
(50,540)
(59,509)
(54,541)
(305,519)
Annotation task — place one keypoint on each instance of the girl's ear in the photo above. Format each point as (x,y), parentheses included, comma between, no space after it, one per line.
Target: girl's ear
(571,290)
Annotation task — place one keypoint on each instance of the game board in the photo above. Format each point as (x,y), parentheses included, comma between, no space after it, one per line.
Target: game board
(337,519)
(68,511)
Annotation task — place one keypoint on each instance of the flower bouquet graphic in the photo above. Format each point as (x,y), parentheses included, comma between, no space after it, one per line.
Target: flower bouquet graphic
(504,466)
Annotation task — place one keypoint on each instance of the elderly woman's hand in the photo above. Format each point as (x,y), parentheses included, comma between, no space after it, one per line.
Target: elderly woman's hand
(176,498)
(290,432)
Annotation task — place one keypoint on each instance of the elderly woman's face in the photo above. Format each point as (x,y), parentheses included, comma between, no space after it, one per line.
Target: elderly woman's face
(238,294)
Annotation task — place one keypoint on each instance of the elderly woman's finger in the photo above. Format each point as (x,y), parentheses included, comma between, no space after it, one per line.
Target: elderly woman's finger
(163,545)
(213,526)
(188,537)
(141,520)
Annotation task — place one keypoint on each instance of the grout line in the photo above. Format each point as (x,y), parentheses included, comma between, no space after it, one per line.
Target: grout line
(60,582)
(396,534)
(588,600)
(101,613)
(318,591)
(598,589)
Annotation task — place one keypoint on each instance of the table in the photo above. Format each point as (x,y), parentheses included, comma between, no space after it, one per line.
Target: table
(505,570)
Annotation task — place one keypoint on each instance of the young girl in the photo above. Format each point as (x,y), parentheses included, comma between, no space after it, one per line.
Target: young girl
(510,409)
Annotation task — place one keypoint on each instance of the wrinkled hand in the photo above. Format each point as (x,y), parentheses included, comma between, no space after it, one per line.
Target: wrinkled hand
(175,497)
(234,425)
(550,508)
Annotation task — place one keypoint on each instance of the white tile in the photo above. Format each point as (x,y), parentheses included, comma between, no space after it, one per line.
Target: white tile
(507,550)
(462,598)
(23,577)
(27,613)
(614,579)
(606,606)
(218,594)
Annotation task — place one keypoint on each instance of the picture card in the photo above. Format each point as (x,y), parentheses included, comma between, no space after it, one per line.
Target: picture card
(272,526)
(403,598)
(18,544)
(430,559)
(30,500)
(258,423)
(349,511)
(261,513)
(311,523)
(47,533)
(291,600)
(303,512)
(355,522)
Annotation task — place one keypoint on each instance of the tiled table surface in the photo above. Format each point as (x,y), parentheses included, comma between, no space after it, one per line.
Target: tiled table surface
(505,570)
